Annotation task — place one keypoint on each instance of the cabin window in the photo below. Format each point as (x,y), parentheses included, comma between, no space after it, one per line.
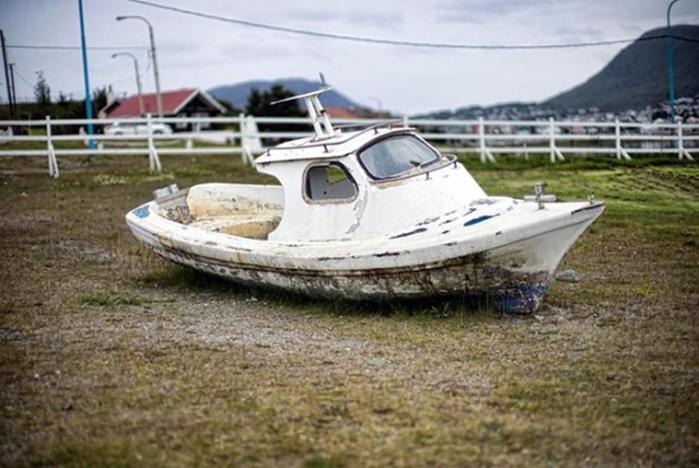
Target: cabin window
(330,182)
(396,155)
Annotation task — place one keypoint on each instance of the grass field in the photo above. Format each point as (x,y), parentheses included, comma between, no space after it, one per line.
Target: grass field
(111,356)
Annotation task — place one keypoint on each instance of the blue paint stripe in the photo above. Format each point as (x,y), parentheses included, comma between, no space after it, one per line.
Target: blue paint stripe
(479,219)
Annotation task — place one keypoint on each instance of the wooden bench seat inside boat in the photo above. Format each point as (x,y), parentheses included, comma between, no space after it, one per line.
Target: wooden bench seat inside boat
(245,211)
(252,226)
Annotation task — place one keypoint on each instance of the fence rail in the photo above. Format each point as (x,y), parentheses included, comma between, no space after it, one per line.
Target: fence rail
(241,135)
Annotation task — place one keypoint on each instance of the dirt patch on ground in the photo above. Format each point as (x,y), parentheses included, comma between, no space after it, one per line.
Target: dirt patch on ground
(112,356)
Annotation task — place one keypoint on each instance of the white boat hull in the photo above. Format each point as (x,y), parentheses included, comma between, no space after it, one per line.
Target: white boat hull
(511,268)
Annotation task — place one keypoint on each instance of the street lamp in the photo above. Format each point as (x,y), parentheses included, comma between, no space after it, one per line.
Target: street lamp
(670,63)
(86,76)
(158,97)
(141,109)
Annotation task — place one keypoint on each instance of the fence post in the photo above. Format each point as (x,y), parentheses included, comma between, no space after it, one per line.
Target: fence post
(189,143)
(552,141)
(555,153)
(245,151)
(681,152)
(617,137)
(481,138)
(620,152)
(53,163)
(405,121)
(486,155)
(153,159)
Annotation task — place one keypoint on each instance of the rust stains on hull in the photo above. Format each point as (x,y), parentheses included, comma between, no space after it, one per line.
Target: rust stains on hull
(470,275)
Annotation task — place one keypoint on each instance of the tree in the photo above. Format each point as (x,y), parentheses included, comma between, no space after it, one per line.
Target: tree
(231,110)
(259,105)
(99,99)
(42,92)
(255,103)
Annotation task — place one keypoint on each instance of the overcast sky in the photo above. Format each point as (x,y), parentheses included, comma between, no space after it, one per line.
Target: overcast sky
(204,53)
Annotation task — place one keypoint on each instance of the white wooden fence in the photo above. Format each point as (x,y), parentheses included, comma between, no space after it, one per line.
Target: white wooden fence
(487,138)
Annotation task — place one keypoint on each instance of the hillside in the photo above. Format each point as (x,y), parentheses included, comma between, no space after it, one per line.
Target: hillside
(637,76)
(503,111)
(236,94)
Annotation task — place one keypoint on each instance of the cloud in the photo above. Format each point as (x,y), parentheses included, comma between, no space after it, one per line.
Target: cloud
(199,52)
(350,16)
(579,33)
(478,11)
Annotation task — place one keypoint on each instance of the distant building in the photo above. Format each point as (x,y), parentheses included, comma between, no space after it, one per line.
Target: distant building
(342,113)
(188,102)
(335,112)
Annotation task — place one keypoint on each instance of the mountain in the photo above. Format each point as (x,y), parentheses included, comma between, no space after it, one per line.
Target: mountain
(637,76)
(237,94)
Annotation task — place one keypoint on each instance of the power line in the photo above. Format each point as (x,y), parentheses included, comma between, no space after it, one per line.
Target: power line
(121,80)
(372,40)
(26,81)
(148,64)
(364,39)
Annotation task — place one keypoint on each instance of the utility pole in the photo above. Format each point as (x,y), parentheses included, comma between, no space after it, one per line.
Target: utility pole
(158,97)
(141,109)
(12,88)
(670,63)
(88,97)
(7,75)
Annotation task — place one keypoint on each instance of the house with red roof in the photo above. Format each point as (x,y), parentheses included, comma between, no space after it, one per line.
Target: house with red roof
(187,102)
(355,113)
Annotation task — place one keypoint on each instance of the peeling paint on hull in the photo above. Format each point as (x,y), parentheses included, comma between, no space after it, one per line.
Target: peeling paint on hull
(472,276)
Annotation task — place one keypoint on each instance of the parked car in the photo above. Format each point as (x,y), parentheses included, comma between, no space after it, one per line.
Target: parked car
(122,128)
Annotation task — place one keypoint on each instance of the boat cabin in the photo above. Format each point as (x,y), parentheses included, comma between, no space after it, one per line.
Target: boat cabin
(356,185)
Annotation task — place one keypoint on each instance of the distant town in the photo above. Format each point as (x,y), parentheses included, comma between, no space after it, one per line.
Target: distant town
(686,109)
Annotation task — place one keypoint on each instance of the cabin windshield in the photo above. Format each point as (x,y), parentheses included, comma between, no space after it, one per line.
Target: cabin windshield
(396,155)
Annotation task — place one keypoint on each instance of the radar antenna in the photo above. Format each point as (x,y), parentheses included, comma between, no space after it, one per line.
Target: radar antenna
(316,112)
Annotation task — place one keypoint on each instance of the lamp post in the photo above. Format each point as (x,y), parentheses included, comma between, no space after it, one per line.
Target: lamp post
(670,63)
(141,109)
(86,77)
(158,97)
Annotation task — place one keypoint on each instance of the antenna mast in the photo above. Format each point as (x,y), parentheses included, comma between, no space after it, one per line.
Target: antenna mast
(316,111)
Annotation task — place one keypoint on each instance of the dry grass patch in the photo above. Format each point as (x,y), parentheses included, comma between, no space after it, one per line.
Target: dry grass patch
(110,356)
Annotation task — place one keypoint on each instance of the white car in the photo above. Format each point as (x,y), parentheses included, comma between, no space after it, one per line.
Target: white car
(121,128)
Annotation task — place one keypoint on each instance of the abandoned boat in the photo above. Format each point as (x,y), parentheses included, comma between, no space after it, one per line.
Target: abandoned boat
(376,213)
